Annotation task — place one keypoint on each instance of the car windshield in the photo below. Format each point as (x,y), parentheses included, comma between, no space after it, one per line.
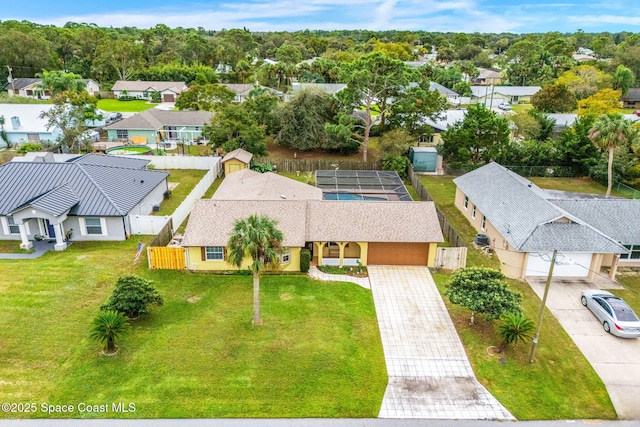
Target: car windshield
(622,310)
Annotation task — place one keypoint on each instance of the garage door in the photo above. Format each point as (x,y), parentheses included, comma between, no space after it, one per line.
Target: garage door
(398,254)
(168,97)
(568,264)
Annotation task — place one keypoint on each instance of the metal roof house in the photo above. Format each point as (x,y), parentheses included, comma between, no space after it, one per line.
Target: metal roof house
(90,197)
(525,223)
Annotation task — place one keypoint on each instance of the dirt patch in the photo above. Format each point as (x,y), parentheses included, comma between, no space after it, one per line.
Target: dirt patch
(194,299)
(172,185)
(285,297)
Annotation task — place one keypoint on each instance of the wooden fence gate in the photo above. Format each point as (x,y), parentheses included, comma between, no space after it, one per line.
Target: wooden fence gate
(166,258)
(451,258)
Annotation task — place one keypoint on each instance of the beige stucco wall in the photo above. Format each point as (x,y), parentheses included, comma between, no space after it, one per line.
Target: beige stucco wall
(320,248)
(195,262)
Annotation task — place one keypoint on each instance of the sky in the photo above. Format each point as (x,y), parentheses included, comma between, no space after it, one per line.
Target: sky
(484,16)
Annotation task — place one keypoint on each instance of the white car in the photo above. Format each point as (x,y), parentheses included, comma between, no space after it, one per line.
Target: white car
(616,316)
(504,106)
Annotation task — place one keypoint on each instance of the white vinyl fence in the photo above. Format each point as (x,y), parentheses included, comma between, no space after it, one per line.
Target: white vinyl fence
(152,224)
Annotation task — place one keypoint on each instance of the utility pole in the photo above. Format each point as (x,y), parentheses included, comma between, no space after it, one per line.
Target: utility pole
(544,302)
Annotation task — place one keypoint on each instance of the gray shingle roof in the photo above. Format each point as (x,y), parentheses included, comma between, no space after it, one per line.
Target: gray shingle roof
(154,119)
(521,212)
(100,190)
(633,94)
(139,85)
(22,82)
(481,91)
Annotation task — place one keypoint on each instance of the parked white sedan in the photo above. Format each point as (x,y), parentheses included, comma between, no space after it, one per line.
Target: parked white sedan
(615,315)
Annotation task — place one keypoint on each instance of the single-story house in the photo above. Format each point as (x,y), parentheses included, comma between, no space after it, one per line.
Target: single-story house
(487,76)
(336,232)
(242,91)
(236,160)
(632,98)
(90,197)
(169,91)
(446,119)
(154,125)
(491,96)
(32,88)
(22,123)
(525,224)
(451,96)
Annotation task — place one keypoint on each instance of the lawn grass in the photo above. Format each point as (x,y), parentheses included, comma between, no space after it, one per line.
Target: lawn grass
(576,185)
(317,355)
(187,179)
(561,384)
(13,247)
(6,99)
(116,106)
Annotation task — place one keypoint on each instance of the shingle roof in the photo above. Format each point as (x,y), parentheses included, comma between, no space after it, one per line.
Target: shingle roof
(443,90)
(250,185)
(617,218)
(139,85)
(100,190)
(22,82)
(481,91)
(154,119)
(243,155)
(633,94)
(520,211)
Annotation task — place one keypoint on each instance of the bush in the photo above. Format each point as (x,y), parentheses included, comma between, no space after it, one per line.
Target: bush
(107,326)
(132,296)
(305,260)
(156,97)
(397,164)
(261,167)
(515,327)
(29,147)
(127,98)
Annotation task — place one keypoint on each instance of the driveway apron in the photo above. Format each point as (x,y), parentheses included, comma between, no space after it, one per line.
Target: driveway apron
(615,360)
(429,373)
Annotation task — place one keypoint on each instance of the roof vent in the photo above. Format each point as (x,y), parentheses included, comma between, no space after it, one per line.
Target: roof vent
(15,122)
(282,196)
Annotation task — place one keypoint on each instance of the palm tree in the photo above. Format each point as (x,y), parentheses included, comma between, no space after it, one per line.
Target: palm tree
(257,238)
(107,326)
(610,131)
(515,327)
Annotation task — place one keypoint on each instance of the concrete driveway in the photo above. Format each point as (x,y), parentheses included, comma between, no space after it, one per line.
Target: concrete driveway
(615,360)
(429,373)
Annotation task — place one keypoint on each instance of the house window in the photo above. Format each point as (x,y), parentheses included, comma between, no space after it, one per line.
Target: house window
(145,94)
(122,134)
(425,139)
(473,212)
(285,256)
(29,92)
(33,137)
(214,253)
(16,91)
(515,99)
(93,225)
(634,255)
(484,222)
(13,227)
(466,202)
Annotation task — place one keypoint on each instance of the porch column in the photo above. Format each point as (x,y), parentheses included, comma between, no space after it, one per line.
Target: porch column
(614,267)
(320,246)
(60,243)
(26,243)
(341,245)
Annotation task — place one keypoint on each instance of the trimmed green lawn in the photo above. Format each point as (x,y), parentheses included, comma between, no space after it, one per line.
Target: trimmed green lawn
(561,384)
(576,185)
(317,355)
(12,247)
(187,179)
(115,106)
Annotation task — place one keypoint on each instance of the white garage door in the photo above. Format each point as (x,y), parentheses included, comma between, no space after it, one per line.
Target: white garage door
(568,264)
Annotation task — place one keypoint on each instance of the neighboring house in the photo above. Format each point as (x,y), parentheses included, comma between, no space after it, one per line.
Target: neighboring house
(90,197)
(242,91)
(447,119)
(169,91)
(525,224)
(336,232)
(491,96)
(452,97)
(32,88)
(632,98)
(487,76)
(22,123)
(154,125)
(236,160)
(329,88)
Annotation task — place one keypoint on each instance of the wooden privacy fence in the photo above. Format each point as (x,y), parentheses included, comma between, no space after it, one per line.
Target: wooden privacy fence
(451,258)
(166,258)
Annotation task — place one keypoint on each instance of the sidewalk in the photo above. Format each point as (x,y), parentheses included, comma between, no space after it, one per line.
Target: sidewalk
(40,247)
(319,275)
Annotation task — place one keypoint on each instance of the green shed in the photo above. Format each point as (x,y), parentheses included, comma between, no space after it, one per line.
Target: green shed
(423,159)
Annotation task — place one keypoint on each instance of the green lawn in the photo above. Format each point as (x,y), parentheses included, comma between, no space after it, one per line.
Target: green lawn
(317,355)
(578,185)
(187,179)
(12,247)
(114,105)
(561,384)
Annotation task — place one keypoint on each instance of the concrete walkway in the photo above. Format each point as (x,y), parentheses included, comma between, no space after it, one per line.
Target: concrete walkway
(319,275)
(40,246)
(429,373)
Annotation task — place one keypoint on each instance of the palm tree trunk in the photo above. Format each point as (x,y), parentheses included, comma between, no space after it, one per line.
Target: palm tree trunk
(257,319)
(610,172)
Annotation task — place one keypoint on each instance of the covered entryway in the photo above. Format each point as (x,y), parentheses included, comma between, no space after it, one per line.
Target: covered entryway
(398,254)
(168,97)
(568,264)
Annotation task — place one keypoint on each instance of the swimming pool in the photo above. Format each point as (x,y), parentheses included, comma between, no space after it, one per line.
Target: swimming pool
(350,196)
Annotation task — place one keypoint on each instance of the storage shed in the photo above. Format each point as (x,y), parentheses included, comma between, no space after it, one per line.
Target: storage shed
(423,159)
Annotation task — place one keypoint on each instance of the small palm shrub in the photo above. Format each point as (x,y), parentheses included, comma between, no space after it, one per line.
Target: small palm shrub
(513,328)
(107,327)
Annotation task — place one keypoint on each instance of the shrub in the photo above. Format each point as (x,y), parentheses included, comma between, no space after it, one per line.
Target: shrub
(397,164)
(156,97)
(305,260)
(29,147)
(515,327)
(107,327)
(261,167)
(132,296)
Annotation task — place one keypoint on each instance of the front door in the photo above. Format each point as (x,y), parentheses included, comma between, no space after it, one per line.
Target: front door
(51,231)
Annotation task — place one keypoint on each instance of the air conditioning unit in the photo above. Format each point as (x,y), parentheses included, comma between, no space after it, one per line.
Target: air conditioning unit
(156,208)
(481,240)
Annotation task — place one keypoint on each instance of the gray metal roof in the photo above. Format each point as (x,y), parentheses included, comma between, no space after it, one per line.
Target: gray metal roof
(443,90)
(116,161)
(521,212)
(100,190)
(57,201)
(617,218)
